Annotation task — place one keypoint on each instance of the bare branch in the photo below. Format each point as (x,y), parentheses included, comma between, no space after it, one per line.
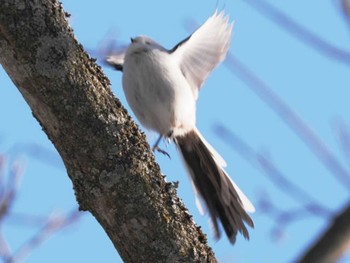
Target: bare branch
(344,138)
(20,219)
(283,218)
(49,226)
(37,152)
(300,32)
(271,171)
(315,144)
(113,171)
(9,189)
(259,87)
(54,224)
(334,243)
(5,251)
(345,4)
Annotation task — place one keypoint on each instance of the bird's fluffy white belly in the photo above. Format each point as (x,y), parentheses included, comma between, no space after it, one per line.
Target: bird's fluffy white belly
(163,100)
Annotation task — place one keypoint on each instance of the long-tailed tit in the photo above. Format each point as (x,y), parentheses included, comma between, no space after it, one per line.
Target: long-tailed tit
(161,87)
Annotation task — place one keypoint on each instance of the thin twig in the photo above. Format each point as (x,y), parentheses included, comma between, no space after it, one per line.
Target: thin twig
(38,152)
(9,190)
(283,218)
(345,7)
(300,32)
(297,125)
(271,171)
(344,138)
(315,144)
(5,251)
(53,225)
(25,220)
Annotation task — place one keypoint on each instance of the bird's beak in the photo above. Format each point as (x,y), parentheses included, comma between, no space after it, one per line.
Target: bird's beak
(132,40)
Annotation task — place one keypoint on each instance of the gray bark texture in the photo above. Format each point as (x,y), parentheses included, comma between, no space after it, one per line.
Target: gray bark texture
(107,158)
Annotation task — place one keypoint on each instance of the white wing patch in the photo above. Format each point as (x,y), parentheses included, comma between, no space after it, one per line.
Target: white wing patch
(204,50)
(116,59)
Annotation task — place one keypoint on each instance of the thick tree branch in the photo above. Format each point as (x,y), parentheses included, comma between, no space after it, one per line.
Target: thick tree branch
(108,160)
(334,243)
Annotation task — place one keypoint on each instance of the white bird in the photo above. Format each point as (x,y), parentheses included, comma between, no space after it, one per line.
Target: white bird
(161,87)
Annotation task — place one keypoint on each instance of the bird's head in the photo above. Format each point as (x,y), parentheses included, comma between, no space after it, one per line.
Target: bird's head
(144,43)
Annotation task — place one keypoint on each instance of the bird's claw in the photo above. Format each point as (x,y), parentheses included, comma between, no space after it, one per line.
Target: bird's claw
(156,148)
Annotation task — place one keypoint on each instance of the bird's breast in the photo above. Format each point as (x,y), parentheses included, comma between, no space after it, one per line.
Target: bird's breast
(157,92)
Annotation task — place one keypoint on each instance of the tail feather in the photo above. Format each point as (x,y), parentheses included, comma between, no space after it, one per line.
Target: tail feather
(220,194)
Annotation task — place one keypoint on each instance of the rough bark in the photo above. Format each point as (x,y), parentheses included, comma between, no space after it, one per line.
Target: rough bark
(333,244)
(107,158)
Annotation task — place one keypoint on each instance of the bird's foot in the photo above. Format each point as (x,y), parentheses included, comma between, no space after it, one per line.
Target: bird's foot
(156,148)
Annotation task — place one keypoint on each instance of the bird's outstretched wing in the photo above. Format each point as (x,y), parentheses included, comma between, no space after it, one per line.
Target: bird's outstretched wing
(202,51)
(116,60)
(112,53)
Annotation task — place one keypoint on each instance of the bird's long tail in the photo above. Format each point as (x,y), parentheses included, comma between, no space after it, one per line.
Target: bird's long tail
(224,200)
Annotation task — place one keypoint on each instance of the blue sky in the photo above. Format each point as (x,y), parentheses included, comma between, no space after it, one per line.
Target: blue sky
(315,86)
